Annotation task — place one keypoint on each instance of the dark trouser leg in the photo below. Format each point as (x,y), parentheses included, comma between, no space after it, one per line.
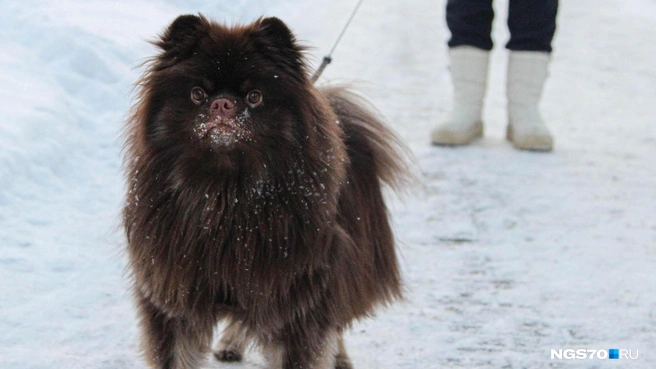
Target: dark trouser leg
(532,24)
(470,23)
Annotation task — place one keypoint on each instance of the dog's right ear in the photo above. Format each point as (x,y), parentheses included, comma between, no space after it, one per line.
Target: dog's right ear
(181,37)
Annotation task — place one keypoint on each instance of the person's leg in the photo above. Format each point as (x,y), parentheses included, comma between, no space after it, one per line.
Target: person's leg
(470,23)
(532,24)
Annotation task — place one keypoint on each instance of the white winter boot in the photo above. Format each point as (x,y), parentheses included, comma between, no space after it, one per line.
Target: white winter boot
(468,66)
(527,71)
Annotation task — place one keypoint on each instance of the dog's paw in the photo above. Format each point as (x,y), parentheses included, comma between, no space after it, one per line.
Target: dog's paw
(228,356)
(343,363)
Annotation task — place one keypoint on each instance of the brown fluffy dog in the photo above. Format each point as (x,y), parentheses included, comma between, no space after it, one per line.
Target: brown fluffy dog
(253,197)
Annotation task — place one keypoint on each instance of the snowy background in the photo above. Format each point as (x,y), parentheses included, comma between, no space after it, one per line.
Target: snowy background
(506,254)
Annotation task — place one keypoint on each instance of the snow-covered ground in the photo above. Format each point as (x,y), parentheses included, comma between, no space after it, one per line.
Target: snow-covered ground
(506,254)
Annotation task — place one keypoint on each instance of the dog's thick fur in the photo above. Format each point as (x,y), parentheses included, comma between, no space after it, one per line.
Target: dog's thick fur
(281,230)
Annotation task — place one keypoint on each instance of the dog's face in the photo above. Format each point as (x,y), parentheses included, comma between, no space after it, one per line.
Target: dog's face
(215,90)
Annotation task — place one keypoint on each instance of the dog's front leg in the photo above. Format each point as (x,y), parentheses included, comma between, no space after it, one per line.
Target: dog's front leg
(173,342)
(303,348)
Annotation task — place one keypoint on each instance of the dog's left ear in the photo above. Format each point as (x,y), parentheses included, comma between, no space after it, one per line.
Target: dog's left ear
(274,36)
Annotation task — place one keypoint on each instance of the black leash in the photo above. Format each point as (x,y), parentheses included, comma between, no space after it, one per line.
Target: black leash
(328,58)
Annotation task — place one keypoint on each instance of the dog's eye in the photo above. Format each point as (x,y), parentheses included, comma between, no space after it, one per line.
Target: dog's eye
(254,98)
(198,95)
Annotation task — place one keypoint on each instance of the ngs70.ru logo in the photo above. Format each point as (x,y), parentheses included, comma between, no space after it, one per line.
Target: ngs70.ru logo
(582,354)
